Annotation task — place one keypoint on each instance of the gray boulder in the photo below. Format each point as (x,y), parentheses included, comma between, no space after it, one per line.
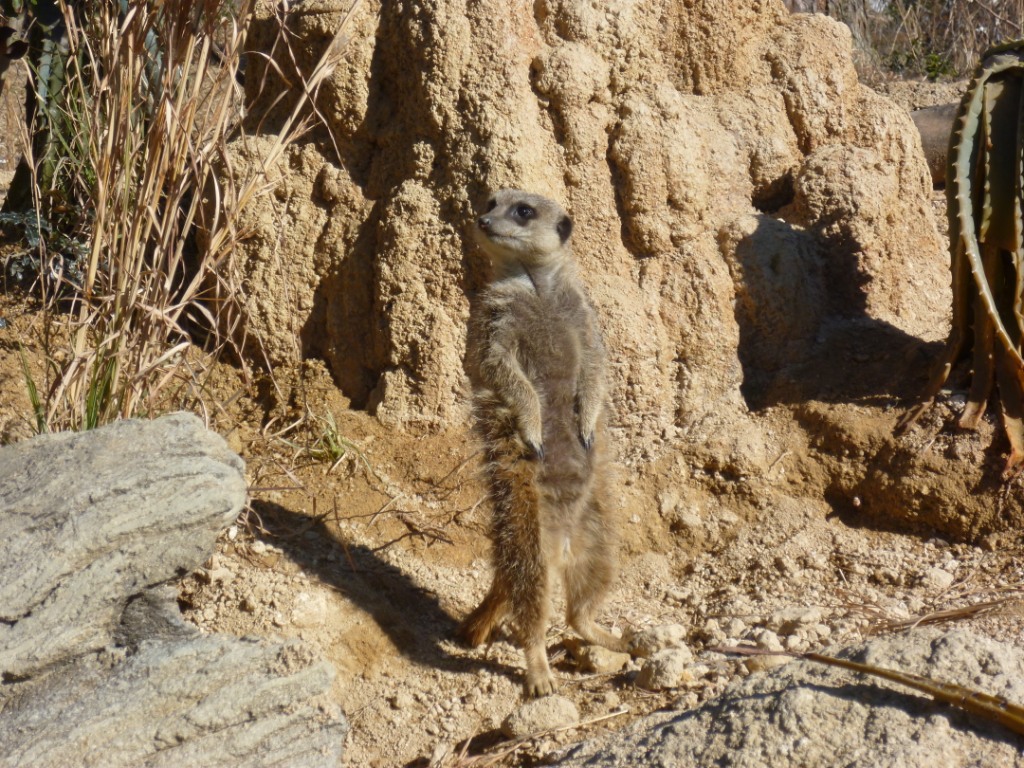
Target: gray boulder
(96,665)
(805,714)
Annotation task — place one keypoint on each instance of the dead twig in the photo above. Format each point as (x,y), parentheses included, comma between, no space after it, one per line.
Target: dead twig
(953,614)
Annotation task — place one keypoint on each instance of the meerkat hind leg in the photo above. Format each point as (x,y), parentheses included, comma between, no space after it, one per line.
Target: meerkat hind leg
(588,575)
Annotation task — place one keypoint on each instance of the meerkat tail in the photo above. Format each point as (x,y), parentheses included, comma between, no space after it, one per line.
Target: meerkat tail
(520,563)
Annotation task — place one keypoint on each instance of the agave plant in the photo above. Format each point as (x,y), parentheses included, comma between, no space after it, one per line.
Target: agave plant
(985,194)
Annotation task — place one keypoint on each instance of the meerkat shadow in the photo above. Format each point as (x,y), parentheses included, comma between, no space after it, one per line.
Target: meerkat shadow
(411,616)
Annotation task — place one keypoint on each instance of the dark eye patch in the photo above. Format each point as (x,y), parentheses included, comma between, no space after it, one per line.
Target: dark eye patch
(525,212)
(491,204)
(564,228)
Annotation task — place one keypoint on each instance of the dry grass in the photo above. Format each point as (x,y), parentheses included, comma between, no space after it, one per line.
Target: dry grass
(150,103)
(923,38)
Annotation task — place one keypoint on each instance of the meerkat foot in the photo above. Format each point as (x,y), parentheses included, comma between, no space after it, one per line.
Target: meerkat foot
(538,685)
(595,634)
(539,680)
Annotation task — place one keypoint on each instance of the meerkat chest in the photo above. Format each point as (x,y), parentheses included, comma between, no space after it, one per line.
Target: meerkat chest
(551,333)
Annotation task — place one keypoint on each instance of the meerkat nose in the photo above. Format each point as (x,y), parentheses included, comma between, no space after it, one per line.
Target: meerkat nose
(484,222)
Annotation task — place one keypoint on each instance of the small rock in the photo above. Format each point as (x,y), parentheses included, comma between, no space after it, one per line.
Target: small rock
(222,575)
(795,643)
(668,502)
(310,609)
(401,700)
(649,640)
(786,565)
(815,561)
(540,715)
(936,578)
(686,701)
(712,632)
(666,669)
(767,640)
(735,628)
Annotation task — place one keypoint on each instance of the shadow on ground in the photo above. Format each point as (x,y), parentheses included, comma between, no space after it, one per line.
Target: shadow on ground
(412,617)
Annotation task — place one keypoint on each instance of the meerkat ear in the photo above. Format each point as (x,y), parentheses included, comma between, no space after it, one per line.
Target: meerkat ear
(564,228)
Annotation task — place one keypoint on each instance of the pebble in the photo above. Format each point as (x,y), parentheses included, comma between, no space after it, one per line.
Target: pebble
(767,640)
(649,640)
(540,715)
(936,578)
(310,609)
(666,669)
(401,700)
(735,628)
(712,632)
(223,575)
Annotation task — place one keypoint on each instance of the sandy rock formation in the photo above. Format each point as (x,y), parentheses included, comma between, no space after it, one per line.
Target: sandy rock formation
(741,202)
(807,714)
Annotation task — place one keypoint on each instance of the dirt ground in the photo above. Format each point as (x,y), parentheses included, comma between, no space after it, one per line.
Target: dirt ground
(376,557)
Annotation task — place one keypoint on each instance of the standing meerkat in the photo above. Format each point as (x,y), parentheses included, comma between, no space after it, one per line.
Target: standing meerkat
(539,374)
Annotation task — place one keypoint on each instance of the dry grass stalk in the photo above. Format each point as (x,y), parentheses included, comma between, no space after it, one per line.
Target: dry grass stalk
(151,103)
(958,613)
(933,38)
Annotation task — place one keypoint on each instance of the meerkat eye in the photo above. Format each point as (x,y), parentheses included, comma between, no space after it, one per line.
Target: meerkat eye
(525,212)
(491,204)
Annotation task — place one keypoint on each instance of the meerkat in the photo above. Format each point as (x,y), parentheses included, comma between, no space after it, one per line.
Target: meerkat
(539,378)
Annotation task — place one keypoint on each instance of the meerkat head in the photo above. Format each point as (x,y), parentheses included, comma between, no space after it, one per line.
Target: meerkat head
(520,226)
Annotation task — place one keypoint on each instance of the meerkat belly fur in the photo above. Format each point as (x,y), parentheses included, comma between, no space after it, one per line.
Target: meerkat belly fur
(539,373)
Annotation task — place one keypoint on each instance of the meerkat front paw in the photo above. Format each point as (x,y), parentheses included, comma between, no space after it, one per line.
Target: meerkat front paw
(539,684)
